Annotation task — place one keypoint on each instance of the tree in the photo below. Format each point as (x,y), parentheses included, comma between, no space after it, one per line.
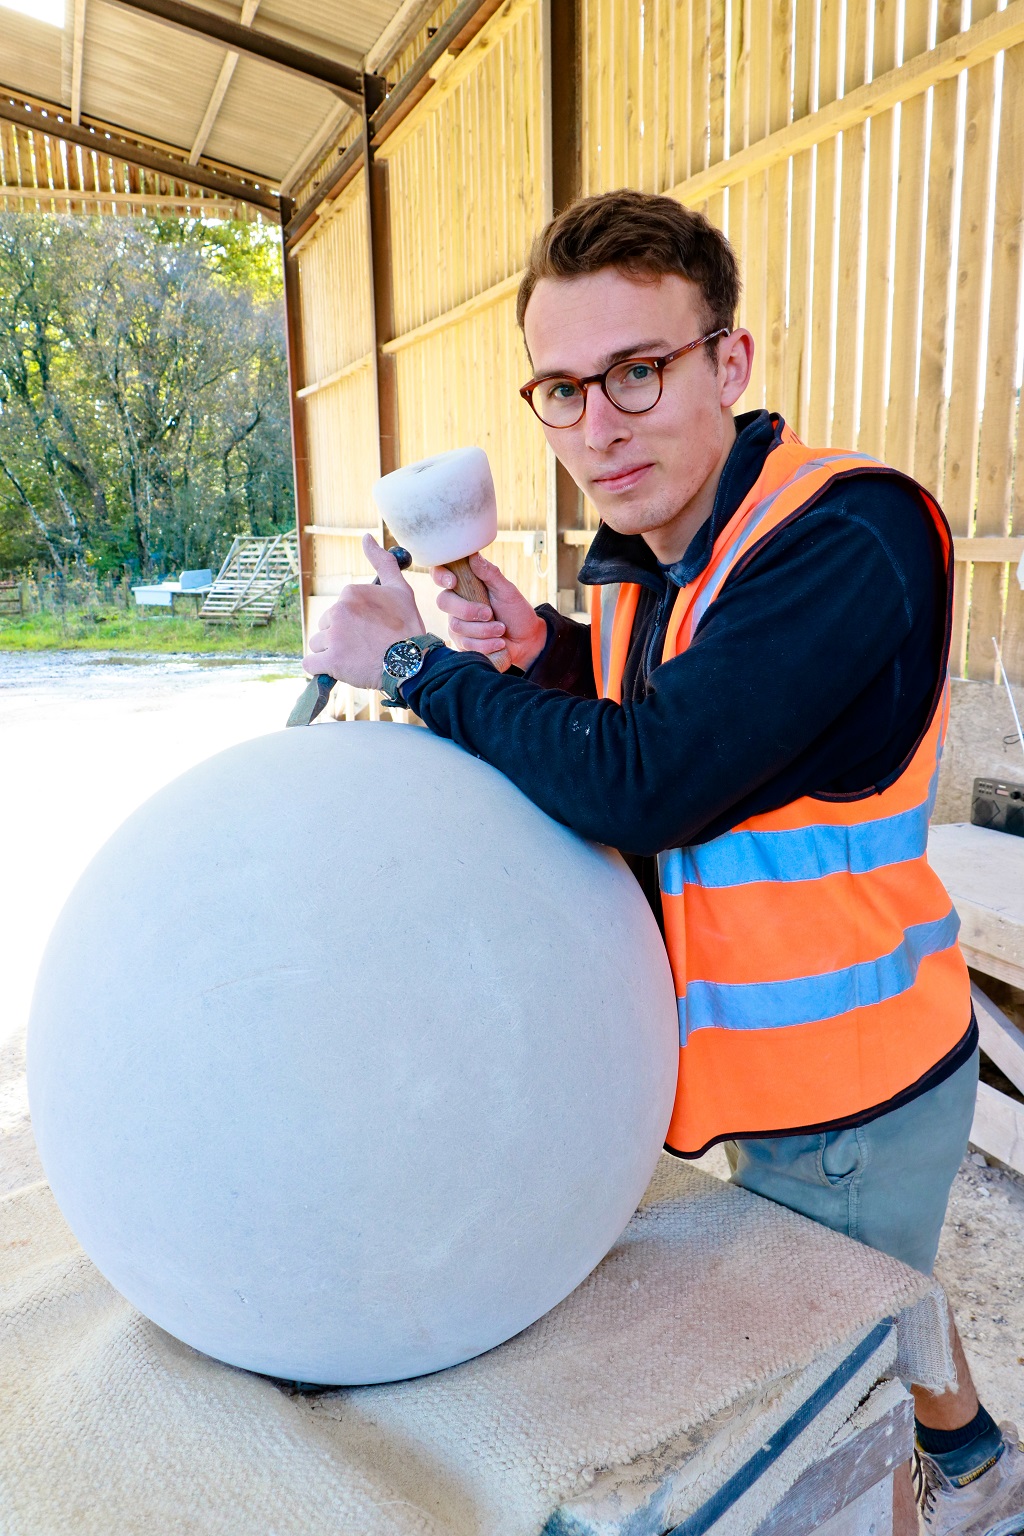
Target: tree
(143,398)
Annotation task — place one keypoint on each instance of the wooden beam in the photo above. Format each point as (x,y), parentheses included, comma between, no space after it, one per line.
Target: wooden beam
(295,353)
(997,32)
(378,221)
(863,1458)
(220,88)
(315,146)
(1001,1040)
(413,85)
(438,45)
(61,113)
(132,153)
(994,549)
(400,31)
(472,306)
(135,200)
(562,115)
(998,1128)
(77,58)
(335,182)
(356,366)
(344,79)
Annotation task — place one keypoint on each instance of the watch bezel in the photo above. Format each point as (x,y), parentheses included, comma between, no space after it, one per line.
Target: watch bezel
(413,664)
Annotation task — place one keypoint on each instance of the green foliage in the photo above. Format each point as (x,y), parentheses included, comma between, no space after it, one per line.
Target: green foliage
(143,398)
(118,629)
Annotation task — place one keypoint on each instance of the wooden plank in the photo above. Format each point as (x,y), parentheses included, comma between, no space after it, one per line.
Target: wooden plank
(819,417)
(989,550)
(998,1128)
(442,322)
(77,59)
(910,189)
(860,1462)
(299,425)
(1001,1040)
(960,472)
(777,208)
(850,316)
(941,64)
(337,377)
(754,256)
(983,871)
(878,306)
(795,400)
(995,466)
(931,403)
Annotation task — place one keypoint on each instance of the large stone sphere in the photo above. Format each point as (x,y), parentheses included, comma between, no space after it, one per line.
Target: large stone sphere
(346,1062)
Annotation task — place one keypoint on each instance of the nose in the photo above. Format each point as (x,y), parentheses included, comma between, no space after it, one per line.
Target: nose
(603,425)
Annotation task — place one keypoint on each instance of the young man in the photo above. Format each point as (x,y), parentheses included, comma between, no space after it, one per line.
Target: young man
(755,721)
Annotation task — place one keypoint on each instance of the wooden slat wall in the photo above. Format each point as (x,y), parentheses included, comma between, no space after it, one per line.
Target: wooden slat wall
(467,190)
(882,265)
(43,174)
(339,393)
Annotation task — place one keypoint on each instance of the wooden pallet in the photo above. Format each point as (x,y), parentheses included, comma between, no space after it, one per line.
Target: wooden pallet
(252,579)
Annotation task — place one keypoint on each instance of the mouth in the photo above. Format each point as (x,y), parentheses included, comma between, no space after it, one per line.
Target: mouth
(623,479)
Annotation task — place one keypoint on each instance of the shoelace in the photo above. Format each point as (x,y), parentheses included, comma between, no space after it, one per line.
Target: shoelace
(926,1487)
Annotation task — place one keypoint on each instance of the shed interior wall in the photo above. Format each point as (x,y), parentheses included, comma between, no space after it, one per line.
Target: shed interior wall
(866,161)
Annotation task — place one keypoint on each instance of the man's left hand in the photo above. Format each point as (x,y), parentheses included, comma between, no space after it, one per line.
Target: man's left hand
(357,630)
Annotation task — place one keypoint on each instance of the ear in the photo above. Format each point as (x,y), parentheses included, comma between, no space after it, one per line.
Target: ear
(735,360)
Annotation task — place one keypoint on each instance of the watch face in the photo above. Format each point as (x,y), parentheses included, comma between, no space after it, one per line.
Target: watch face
(403,659)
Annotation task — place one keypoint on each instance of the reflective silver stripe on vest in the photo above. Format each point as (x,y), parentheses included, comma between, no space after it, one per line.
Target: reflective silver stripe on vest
(609,603)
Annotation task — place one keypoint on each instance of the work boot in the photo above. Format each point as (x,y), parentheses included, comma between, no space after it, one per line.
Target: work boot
(989,1503)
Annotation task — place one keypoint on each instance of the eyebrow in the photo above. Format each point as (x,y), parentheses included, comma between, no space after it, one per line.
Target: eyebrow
(637,349)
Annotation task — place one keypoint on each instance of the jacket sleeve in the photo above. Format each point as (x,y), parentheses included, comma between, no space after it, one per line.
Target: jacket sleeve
(566,661)
(792,642)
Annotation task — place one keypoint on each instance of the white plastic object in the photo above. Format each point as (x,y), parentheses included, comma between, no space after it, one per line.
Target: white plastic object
(442,508)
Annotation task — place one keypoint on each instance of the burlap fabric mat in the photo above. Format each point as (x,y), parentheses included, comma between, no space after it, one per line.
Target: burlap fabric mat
(713,1319)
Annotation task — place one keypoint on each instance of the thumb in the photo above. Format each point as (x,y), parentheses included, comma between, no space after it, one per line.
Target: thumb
(383,562)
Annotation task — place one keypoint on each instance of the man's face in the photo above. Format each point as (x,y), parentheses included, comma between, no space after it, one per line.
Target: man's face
(640,471)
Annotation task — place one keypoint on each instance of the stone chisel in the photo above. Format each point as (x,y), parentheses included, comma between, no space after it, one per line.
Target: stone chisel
(313,698)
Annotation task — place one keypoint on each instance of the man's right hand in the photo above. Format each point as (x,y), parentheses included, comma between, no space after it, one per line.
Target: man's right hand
(508,623)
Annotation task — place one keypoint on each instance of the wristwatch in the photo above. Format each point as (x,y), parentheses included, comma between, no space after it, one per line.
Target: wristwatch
(401,662)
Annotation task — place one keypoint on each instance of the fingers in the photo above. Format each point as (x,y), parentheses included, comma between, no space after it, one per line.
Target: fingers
(461,608)
(492,630)
(383,562)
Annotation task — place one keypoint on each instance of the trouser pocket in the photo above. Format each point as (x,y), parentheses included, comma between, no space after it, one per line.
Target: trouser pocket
(840,1155)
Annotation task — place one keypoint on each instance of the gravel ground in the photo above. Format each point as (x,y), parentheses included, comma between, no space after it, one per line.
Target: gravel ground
(88,738)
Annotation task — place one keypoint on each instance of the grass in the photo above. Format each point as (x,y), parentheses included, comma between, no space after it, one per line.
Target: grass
(116,629)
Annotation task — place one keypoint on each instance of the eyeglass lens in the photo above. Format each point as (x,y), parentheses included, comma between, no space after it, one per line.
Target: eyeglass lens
(632,386)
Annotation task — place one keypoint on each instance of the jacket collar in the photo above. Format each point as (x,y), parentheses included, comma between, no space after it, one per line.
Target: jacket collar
(616,557)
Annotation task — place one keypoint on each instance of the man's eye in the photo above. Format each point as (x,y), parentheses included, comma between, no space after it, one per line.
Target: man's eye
(638,373)
(561,389)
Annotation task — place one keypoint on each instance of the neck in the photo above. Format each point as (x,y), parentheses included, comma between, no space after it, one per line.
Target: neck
(671,541)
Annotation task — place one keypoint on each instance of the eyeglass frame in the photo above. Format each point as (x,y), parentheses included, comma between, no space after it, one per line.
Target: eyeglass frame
(658,363)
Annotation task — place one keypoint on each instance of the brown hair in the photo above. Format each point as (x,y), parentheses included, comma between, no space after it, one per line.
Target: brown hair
(644,236)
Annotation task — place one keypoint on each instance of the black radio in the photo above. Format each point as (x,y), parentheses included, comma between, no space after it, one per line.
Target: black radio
(998,804)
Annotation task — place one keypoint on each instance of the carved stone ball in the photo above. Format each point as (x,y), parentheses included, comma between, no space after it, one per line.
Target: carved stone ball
(346,1062)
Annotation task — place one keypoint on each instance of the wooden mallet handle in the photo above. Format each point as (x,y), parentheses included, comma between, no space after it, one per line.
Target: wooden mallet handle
(469,586)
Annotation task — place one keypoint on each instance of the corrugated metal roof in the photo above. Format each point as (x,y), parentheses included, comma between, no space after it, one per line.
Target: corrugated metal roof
(140,75)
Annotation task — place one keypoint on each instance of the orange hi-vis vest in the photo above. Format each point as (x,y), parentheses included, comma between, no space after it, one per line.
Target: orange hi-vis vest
(814,950)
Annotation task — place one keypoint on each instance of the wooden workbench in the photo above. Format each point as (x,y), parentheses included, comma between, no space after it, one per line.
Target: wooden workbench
(984,873)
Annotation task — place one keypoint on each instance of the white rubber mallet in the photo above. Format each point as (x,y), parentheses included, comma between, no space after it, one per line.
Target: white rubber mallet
(443,510)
